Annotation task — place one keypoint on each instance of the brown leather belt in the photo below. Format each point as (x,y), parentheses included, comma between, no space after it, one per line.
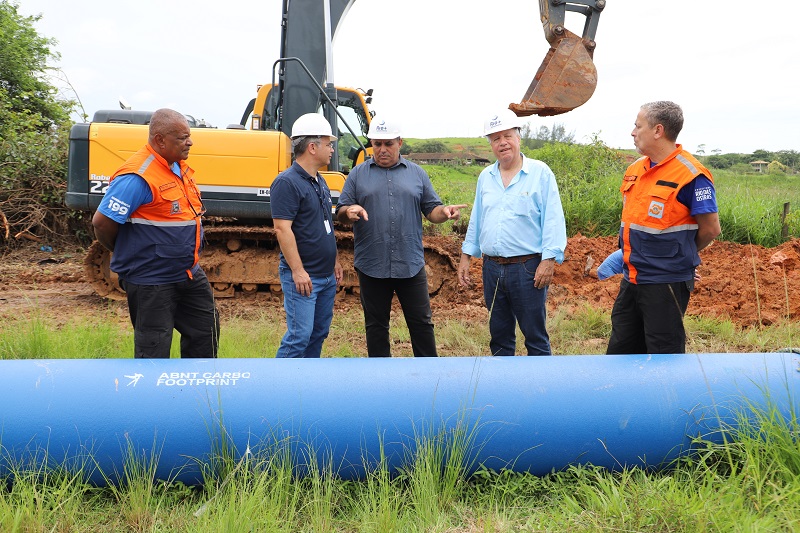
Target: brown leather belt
(510,260)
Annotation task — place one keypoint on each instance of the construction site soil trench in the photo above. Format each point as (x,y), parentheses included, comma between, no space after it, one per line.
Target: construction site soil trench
(746,284)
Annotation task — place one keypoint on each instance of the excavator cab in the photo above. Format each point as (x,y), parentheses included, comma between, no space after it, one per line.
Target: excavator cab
(567,77)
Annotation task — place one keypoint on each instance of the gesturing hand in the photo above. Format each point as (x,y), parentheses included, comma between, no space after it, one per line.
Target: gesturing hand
(453,211)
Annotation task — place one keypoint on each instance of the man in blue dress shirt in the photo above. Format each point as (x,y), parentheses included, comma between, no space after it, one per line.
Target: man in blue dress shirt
(517,224)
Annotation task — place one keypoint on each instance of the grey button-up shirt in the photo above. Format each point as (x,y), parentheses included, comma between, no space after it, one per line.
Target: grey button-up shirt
(389,244)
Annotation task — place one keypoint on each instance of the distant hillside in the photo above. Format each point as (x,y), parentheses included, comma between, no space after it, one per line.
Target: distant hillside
(476,145)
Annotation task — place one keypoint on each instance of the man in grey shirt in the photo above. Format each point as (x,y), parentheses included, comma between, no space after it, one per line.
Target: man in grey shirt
(384,199)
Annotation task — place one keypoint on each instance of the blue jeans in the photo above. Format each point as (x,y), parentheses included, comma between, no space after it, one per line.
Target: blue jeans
(308,318)
(511,298)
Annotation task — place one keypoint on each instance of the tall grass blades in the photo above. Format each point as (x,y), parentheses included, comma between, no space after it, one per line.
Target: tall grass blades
(259,494)
(437,467)
(38,494)
(751,206)
(38,337)
(377,503)
(136,490)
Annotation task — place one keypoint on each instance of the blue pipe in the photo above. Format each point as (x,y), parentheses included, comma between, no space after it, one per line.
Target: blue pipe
(532,414)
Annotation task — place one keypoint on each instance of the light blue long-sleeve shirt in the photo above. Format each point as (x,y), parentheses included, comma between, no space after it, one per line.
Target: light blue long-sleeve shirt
(524,218)
(611,266)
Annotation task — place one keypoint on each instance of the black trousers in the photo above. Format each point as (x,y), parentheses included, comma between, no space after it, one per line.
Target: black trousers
(187,306)
(649,318)
(412,293)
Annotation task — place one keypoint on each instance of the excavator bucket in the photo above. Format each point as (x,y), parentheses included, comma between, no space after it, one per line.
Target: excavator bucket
(565,80)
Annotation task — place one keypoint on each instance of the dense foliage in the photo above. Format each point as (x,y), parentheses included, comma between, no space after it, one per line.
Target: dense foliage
(24,56)
(34,131)
(788,160)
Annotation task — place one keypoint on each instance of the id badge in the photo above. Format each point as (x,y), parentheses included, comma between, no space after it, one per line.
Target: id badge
(327,227)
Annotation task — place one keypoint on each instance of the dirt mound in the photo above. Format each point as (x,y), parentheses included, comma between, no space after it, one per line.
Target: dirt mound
(747,284)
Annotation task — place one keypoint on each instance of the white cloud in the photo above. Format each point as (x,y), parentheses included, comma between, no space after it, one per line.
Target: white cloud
(443,65)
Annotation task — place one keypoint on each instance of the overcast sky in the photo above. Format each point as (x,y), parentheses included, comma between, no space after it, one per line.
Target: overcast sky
(443,66)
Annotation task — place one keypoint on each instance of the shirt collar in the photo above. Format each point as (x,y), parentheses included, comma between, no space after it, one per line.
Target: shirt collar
(526,166)
(302,172)
(402,161)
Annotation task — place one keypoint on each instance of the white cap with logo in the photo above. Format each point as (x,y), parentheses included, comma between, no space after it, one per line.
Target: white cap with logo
(504,120)
(383,129)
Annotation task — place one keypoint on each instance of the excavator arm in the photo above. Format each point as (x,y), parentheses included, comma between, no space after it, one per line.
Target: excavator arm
(565,80)
(567,77)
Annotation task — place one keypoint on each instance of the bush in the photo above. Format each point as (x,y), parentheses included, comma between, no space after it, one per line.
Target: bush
(34,136)
(588,179)
(33,169)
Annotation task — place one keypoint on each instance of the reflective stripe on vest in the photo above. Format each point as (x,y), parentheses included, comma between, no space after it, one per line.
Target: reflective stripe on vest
(657,231)
(171,220)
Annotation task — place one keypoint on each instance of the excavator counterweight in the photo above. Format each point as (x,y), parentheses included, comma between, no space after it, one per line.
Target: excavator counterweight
(567,77)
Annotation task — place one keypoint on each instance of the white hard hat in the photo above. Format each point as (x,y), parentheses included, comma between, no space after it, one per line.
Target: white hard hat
(504,120)
(383,129)
(311,124)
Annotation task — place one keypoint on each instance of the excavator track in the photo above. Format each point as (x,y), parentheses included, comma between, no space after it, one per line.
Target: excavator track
(242,261)
(96,266)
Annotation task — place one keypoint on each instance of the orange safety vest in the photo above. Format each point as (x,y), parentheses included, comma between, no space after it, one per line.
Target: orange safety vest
(161,241)
(657,234)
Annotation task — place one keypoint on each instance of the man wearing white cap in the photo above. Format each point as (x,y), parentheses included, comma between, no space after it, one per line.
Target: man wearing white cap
(517,224)
(302,213)
(384,199)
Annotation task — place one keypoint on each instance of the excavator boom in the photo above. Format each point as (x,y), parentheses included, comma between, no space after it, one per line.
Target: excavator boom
(567,77)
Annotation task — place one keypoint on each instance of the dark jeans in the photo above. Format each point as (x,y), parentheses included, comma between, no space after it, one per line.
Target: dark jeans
(512,299)
(649,318)
(187,306)
(376,299)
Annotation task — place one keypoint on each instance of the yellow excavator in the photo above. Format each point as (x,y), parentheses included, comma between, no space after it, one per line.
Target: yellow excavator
(235,166)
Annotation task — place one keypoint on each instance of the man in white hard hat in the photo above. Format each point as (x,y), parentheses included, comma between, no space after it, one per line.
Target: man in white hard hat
(517,224)
(302,212)
(384,198)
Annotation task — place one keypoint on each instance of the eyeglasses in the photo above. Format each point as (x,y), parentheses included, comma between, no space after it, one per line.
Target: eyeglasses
(329,144)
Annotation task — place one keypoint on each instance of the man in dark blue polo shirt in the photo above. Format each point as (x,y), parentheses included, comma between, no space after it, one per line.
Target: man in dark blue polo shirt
(302,213)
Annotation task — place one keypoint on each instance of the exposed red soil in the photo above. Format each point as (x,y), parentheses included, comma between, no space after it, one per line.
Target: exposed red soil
(743,283)
(747,284)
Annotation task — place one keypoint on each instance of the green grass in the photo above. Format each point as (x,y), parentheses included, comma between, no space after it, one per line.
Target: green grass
(751,207)
(572,331)
(749,483)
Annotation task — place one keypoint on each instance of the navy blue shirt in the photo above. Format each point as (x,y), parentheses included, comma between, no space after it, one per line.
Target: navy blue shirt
(297,196)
